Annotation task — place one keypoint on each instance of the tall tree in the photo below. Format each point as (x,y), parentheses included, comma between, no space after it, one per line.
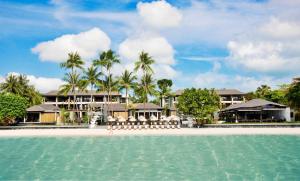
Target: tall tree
(11,84)
(293,95)
(146,87)
(199,103)
(74,61)
(262,91)
(144,63)
(127,82)
(72,79)
(164,86)
(108,59)
(91,77)
(19,85)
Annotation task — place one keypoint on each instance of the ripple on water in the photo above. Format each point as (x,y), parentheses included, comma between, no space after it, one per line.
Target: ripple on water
(151,158)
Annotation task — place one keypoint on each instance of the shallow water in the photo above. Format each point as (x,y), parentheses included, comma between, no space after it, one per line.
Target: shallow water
(151,158)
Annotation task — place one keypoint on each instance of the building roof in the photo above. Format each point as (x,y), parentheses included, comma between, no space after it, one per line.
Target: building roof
(43,108)
(83,93)
(118,107)
(220,92)
(229,92)
(254,103)
(148,106)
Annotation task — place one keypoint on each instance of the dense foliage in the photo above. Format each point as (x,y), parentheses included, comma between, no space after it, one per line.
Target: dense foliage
(11,107)
(293,95)
(19,85)
(265,92)
(199,103)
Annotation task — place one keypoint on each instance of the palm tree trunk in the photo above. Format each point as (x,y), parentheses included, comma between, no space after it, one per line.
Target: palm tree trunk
(126,97)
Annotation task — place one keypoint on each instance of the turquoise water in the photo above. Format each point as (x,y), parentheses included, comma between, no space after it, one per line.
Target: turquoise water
(151,158)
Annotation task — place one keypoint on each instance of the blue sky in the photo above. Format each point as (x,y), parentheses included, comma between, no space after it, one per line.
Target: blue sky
(212,43)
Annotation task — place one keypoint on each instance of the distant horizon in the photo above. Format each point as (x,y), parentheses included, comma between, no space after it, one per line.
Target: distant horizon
(203,44)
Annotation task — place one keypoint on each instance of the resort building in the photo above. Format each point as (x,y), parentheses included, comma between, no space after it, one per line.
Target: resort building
(227,98)
(96,102)
(83,100)
(256,110)
(43,113)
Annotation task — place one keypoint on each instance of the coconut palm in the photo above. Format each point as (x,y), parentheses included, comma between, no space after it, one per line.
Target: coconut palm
(144,63)
(146,87)
(74,61)
(91,77)
(164,86)
(11,84)
(127,82)
(19,84)
(73,83)
(107,60)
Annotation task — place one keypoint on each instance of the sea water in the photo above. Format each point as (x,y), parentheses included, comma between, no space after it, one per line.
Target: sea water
(151,158)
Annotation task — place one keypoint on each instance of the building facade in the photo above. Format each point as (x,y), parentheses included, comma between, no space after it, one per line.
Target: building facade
(227,98)
(83,100)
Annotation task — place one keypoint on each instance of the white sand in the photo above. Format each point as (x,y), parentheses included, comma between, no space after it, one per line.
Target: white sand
(182,131)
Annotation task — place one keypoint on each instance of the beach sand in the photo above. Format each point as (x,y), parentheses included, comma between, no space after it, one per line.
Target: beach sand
(182,131)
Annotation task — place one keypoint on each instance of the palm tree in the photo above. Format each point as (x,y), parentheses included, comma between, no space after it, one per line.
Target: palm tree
(144,63)
(91,76)
(19,84)
(164,86)
(11,84)
(262,91)
(107,60)
(109,84)
(147,87)
(74,61)
(127,82)
(73,83)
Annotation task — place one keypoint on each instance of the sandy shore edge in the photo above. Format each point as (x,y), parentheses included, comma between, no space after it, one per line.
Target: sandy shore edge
(178,132)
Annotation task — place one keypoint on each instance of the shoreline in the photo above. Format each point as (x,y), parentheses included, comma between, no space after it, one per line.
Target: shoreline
(149,132)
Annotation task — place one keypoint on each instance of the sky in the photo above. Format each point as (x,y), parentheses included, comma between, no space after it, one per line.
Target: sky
(239,44)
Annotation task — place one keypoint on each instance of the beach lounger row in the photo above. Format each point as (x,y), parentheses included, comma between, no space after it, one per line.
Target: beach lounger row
(142,123)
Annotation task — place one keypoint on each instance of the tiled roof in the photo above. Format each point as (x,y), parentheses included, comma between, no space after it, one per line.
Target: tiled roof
(43,108)
(147,106)
(83,93)
(252,104)
(229,92)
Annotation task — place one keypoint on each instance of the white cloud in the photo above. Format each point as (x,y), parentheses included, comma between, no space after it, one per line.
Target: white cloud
(157,46)
(88,44)
(159,14)
(45,84)
(281,29)
(272,48)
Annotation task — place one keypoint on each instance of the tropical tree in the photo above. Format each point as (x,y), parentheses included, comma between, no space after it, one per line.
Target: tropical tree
(12,106)
(127,82)
(73,83)
(293,95)
(107,59)
(145,88)
(164,86)
(146,83)
(262,91)
(199,103)
(72,79)
(11,84)
(91,77)
(144,63)
(19,85)
(74,61)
